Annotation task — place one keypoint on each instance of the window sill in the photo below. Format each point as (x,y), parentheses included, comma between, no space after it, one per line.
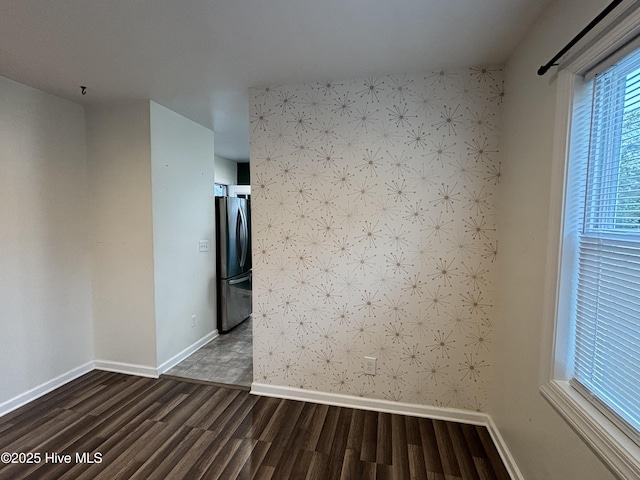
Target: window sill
(616,450)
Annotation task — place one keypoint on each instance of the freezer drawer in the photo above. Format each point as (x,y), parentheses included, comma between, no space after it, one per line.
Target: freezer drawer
(234,301)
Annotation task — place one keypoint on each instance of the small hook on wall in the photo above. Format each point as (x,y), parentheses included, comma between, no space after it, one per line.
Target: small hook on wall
(83,89)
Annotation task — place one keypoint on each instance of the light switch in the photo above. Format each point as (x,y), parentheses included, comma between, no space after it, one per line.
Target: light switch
(203,246)
(369,365)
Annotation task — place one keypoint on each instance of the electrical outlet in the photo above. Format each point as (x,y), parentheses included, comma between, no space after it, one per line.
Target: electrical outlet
(203,246)
(369,365)
(193,321)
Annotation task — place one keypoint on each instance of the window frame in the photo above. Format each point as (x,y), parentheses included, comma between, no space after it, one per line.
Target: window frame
(610,443)
(603,236)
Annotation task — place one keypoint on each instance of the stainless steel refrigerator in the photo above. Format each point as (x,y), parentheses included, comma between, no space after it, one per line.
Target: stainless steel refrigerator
(233,261)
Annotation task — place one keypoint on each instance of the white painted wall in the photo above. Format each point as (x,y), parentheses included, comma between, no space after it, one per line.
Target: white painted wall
(543,445)
(45,296)
(182,172)
(226,171)
(119,156)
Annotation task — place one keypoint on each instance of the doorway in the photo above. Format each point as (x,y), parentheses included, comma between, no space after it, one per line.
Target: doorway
(225,360)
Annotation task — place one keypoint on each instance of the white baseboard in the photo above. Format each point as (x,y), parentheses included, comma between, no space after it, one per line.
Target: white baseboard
(119,367)
(378,405)
(411,409)
(127,368)
(503,450)
(176,359)
(144,371)
(43,389)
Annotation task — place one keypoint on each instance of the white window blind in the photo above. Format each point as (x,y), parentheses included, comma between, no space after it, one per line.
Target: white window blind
(607,305)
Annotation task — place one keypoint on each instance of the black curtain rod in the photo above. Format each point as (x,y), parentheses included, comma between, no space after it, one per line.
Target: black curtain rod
(552,63)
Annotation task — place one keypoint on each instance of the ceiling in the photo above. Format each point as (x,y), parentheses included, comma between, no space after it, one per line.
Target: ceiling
(198,57)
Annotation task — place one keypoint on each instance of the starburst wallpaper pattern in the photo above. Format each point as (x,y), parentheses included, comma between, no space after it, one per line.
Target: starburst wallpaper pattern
(374,234)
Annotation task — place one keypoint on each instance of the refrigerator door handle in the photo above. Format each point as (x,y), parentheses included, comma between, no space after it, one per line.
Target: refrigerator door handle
(241,237)
(245,251)
(235,281)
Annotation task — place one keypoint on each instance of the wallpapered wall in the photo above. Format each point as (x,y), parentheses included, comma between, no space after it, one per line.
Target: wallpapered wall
(374,234)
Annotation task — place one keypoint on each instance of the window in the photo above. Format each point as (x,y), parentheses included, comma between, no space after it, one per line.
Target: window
(592,312)
(602,239)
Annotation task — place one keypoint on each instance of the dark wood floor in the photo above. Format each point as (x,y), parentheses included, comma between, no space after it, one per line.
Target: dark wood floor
(166,429)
